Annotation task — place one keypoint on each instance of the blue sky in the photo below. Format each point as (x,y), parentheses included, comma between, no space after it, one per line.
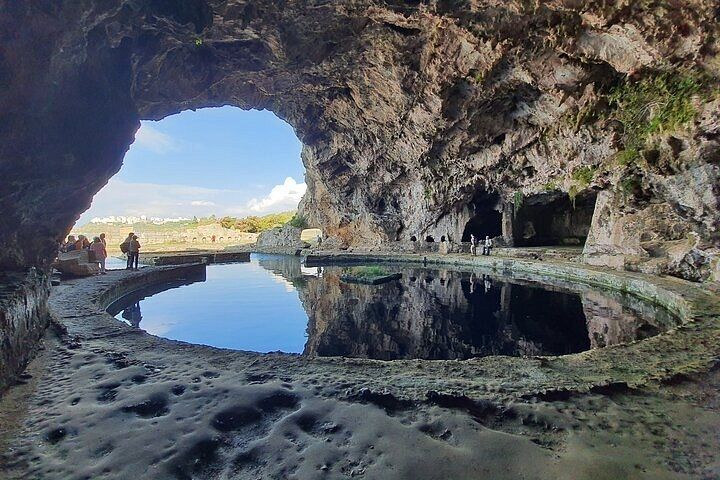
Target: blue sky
(222,161)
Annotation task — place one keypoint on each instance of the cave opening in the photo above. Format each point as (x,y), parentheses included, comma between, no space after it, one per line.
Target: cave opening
(196,170)
(486,219)
(553,220)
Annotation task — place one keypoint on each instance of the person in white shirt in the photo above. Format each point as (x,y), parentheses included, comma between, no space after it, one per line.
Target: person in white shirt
(487,246)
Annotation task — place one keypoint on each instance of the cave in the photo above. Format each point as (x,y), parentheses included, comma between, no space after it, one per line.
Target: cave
(486,217)
(553,220)
(486,222)
(377,116)
(415,102)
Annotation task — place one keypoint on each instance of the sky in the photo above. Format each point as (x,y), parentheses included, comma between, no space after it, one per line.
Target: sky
(214,161)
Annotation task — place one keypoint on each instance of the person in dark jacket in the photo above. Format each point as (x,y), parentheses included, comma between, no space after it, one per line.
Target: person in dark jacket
(133,253)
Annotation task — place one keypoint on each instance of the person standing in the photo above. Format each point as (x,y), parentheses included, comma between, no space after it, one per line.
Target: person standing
(487,246)
(134,253)
(125,248)
(473,244)
(70,245)
(102,239)
(98,248)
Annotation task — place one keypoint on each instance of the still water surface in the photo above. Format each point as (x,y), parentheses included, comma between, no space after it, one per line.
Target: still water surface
(273,303)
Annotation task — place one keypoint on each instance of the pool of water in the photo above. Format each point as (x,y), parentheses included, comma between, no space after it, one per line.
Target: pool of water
(274,303)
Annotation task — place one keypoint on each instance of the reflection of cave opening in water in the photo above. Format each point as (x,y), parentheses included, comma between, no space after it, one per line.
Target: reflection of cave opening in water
(276,303)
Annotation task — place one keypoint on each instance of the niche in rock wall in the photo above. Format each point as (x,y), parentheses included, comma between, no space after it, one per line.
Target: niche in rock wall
(486,219)
(553,220)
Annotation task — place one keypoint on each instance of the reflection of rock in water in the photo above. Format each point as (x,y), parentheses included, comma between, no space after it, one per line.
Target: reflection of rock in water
(442,314)
(439,314)
(610,321)
(285,265)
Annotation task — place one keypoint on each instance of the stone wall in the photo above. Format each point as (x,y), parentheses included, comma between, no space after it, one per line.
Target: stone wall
(23,319)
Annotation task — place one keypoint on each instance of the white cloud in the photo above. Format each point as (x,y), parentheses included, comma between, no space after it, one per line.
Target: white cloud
(282,197)
(154,140)
(202,203)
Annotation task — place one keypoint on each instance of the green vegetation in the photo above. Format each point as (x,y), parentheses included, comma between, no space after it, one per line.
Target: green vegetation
(254,224)
(550,186)
(629,184)
(299,221)
(657,104)
(584,175)
(518,200)
(371,271)
(627,157)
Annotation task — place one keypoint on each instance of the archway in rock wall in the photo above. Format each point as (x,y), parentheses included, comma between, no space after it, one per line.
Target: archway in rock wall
(553,220)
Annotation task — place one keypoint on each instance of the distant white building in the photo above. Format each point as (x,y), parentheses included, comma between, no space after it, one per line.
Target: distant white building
(130,220)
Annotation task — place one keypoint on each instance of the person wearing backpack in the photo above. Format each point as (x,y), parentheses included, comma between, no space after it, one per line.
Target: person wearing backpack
(125,248)
(134,253)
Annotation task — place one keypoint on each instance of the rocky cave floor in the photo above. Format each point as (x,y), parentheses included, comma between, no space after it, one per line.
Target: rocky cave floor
(104,401)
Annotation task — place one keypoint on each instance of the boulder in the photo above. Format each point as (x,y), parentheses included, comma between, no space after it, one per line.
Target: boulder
(79,263)
(285,236)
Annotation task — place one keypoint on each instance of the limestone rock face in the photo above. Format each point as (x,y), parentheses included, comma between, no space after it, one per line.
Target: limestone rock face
(23,319)
(414,116)
(285,236)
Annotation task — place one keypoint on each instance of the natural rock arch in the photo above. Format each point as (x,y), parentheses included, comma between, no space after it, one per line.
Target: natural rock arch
(403,108)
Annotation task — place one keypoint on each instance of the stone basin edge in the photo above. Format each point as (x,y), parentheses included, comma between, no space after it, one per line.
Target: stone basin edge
(691,347)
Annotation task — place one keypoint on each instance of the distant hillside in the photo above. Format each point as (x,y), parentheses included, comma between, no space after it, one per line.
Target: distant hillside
(254,224)
(198,233)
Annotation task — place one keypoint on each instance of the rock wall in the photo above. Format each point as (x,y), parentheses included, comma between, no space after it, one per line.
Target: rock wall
(285,236)
(407,111)
(23,319)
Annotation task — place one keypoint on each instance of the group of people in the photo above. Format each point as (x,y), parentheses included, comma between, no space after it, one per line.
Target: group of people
(98,247)
(130,246)
(486,244)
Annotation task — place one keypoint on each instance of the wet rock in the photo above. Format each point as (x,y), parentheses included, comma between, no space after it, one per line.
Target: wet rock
(56,434)
(154,406)
(235,418)
(199,460)
(178,389)
(278,400)
(387,401)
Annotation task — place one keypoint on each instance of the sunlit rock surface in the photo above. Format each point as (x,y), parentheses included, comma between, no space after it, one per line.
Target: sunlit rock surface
(285,236)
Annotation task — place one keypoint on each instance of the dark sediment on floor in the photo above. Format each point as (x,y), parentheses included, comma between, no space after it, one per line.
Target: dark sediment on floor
(114,402)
